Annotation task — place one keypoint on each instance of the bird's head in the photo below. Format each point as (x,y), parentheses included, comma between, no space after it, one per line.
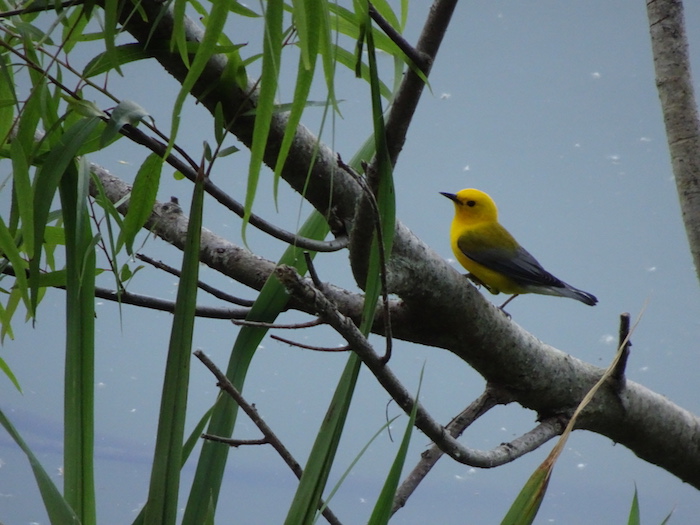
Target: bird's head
(473,205)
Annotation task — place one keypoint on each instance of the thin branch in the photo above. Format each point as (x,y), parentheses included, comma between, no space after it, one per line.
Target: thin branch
(227,201)
(374,216)
(491,397)
(304,291)
(235,442)
(310,347)
(260,324)
(153,303)
(38,7)
(421,60)
(270,436)
(200,284)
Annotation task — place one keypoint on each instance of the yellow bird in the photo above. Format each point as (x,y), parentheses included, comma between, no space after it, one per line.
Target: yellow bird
(494,258)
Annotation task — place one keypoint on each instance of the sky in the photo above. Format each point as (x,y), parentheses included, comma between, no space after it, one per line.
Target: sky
(549,107)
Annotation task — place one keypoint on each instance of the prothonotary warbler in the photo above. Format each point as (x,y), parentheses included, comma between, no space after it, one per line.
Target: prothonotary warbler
(494,258)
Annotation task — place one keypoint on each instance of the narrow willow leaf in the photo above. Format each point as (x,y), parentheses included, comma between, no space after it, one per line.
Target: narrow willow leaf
(23,193)
(7,312)
(308,13)
(161,508)
(46,181)
(8,98)
(634,518)
(272,53)
(126,112)
(207,48)
(327,51)
(219,126)
(270,302)
(10,375)
(56,506)
(74,26)
(348,59)
(9,250)
(313,480)
(524,509)
(110,29)
(352,464)
(85,108)
(304,26)
(385,501)
(79,395)
(225,152)
(143,197)
(179,38)
(385,197)
(239,9)
(119,56)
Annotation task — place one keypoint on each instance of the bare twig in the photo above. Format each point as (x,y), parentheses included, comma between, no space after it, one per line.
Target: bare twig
(377,223)
(310,347)
(200,284)
(270,436)
(235,442)
(485,402)
(260,324)
(146,301)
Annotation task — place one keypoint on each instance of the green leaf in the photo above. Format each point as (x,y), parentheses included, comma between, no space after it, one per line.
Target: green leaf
(524,509)
(385,197)
(56,507)
(634,518)
(161,507)
(385,501)
(46,181)
(270,302)
(79,394)
(225,152)
(9,250)
(119,56)
(126,112)
(141,201)
(272,54)
(307,16)
(23,193)
(11,376)
(85,108)
(7,96)
(318,466)
(215,25)
(110,24)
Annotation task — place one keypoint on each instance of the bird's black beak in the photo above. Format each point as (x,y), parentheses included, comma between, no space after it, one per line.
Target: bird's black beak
(450,196)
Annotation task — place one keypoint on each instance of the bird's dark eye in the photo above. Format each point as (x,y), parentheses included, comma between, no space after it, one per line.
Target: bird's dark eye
(471,204)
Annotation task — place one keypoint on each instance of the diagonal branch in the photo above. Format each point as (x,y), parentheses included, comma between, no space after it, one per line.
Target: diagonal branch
(303,290)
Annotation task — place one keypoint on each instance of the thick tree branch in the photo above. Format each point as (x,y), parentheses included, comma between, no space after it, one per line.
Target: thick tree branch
(438,306)
(442,309)
(669,45)
(304,291)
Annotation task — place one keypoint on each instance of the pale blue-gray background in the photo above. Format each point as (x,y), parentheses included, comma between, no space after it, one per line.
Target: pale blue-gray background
(551,108)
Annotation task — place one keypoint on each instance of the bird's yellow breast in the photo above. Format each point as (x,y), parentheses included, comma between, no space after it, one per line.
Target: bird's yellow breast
(477,238)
